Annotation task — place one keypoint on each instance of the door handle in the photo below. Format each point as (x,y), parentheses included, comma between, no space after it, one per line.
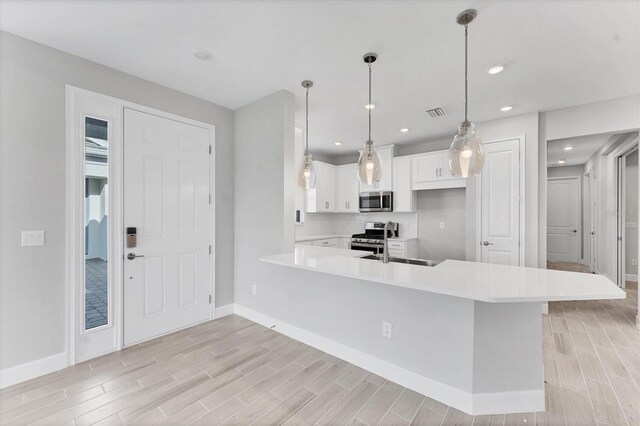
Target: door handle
(132,256)
(575,230)
(487,243)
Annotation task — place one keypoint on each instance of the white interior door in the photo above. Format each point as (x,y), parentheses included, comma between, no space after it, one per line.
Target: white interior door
(500,211)
(563,219)
(166,198)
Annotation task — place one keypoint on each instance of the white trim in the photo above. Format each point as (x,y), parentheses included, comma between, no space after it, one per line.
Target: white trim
(223,311)
(475,404)
(631,277)
(32,369)
(625,148)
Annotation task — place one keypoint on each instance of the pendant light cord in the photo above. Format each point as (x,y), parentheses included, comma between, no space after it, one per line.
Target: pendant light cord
(465,71)
(306,109)
(370,105)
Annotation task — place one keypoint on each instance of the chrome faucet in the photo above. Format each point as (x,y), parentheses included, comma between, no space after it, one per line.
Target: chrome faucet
(385,253)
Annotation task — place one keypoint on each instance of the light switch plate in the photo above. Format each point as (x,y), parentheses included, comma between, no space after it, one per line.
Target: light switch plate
(32,238)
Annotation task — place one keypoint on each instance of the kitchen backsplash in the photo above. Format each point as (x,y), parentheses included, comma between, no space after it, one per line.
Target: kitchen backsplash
(349,223)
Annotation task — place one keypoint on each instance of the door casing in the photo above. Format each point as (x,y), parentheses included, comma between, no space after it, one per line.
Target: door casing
(74,214)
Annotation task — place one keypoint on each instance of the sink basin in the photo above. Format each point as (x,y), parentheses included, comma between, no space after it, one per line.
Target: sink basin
(409,261)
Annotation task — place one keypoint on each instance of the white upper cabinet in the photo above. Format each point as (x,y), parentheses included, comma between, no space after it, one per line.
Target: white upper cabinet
(404,198)
(386,153)
(323,197)
(347,196)
(431,171)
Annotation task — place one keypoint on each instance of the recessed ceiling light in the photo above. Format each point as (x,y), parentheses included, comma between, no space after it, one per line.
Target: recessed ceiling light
(568,148)
(405,130)
(561,161)
(506,108)
(337,143)
(370,106)
(495,70)
(202,54)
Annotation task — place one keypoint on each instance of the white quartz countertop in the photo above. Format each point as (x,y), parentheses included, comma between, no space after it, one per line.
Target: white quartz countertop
(326,236)
(320,237)
(470,280)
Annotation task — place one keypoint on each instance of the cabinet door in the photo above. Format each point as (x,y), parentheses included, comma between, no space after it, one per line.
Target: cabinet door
(325,187)
(445,170)
(425,168)
(329,242)
(386,182)
(402,193)
(347,188)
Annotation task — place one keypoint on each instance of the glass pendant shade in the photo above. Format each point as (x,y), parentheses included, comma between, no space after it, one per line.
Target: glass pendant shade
(369,164)
(466,156)
(308,173)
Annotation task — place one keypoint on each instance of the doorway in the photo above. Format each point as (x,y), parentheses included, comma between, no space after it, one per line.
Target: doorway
(591,168)
(140,223)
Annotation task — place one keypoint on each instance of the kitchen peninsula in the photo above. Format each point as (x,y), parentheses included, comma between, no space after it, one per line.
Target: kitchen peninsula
(464,333)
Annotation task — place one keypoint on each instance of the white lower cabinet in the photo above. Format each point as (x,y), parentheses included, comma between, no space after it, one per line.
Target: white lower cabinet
(329,242)
(407,248)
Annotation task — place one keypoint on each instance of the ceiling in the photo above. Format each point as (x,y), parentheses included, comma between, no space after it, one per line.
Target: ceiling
(555,53)
(583,148)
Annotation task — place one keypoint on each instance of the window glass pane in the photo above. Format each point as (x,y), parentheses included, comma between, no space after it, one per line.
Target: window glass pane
(96,224)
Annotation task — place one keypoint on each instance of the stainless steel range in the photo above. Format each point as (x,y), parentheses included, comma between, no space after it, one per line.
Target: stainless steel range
(373,238)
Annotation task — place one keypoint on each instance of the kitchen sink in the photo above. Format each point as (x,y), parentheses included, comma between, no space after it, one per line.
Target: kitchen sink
(408,261)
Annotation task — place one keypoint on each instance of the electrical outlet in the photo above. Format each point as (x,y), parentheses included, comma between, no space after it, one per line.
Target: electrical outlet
(441,225)
(634,262)
(386,329)
(254,290)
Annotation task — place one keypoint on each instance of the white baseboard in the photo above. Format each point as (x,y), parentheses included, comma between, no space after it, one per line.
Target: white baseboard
(631,277)
(30,370)
(223,311)
(475,404)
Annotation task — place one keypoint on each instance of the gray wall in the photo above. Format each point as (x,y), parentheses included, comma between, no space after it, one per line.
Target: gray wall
(436,206)
(264,187)
(32,185)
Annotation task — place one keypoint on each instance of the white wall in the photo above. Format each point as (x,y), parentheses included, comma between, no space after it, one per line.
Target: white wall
(446,206)
(614,115)
(565,171)
(32,185)
(264,188)
(631,233)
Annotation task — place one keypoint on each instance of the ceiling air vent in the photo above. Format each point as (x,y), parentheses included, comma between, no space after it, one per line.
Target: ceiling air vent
(436,112)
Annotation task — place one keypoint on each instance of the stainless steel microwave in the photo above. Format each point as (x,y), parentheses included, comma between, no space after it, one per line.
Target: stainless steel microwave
(376,201)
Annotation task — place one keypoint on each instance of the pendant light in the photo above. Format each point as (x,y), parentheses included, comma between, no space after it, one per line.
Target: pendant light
(308,170)
(369,165)
(466,156)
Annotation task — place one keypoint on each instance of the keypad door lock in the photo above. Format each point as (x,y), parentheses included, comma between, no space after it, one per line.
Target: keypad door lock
(132,237)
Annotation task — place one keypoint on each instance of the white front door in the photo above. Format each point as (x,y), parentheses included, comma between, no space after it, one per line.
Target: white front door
(563,217)
(500,211)
(166,198)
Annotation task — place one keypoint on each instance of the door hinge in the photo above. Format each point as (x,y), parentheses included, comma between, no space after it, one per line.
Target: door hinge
(209,248)
(209,299)
(209,198)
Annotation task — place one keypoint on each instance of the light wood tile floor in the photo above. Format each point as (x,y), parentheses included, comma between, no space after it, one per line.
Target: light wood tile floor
(232,371)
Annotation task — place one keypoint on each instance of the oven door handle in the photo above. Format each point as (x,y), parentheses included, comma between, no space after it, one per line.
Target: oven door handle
(367,245)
